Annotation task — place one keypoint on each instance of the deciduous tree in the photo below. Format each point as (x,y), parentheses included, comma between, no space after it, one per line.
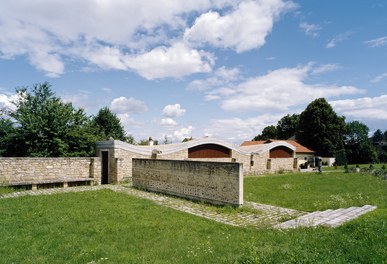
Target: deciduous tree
(377,136)
(287,126)
(48,127)
(357,145)
(321,129)
(7,136)
(269,132)
(108,125)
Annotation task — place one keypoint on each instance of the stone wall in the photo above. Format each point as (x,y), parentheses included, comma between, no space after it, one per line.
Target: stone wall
(215,182)
(263,164)
(124,164)
(13,170)
(282,164)
(178,155)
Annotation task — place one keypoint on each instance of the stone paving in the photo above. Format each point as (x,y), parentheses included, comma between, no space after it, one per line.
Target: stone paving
(329,218)
(250,214)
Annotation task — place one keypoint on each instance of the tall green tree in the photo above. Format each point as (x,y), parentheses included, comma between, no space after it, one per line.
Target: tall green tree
(357,145)
(377,136)
(287,126)
(321,129)
(269,132)
(48,127)
(7,136)
(108,125)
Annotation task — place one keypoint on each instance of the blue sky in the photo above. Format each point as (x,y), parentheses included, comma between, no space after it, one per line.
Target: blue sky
(200,68)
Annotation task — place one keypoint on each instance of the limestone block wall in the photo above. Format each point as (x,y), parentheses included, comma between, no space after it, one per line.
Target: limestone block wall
(215,182)
(240,158)
(260,164)
(38,169)
(121,164)
(282,164)
(178,155)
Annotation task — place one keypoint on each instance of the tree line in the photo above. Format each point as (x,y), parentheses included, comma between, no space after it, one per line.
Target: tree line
(42,125)
(319,128)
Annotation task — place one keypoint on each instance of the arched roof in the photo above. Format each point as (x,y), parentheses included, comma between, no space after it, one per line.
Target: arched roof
(172,148)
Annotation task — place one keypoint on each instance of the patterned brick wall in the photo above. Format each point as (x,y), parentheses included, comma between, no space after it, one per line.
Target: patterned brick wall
(215,182)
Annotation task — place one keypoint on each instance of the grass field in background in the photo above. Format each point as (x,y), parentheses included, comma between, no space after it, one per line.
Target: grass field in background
(108,227)
(315,191)
(376,166)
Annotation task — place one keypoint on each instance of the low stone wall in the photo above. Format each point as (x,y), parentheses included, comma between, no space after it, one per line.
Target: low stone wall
(214,182)
(19,170)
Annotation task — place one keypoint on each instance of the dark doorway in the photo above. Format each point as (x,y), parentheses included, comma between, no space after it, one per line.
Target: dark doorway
(105,167)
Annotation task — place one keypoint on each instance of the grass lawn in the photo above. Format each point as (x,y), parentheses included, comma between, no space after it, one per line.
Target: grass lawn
(108,227)
(314,191)
(376,166)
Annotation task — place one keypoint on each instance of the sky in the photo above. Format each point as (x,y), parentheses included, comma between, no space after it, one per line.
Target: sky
(175,69)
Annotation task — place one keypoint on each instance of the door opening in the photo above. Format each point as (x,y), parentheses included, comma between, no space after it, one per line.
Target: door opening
(105,167)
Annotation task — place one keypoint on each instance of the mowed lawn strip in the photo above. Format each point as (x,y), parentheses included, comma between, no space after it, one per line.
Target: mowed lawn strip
(314,191)
(108,227)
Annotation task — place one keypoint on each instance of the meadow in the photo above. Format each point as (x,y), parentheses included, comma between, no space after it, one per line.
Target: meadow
(108,227)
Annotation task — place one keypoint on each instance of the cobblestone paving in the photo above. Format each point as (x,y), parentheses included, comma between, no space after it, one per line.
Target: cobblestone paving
(250,214)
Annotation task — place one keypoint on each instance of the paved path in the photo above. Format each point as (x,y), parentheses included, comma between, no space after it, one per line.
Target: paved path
(250,214)
(329,218)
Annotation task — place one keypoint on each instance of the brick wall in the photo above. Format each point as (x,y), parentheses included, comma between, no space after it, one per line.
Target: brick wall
(215,182)
(37,169)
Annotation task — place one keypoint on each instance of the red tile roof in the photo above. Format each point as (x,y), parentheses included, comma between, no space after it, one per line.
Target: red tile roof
(299,148)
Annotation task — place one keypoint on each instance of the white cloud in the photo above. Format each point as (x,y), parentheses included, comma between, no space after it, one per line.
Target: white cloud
(326,68)
(104,57)
(173,111)
(310,29)
(175,61)
(379,42)
(220,77)
(151,38)
(363,108)
(237,129)
(129,122)
(278,90)
(183,133)
(103,33)
(244,28)
(379,78)
(106,89)
(6,101)
(123,105)
(339,38)
(168,122)
(80,99)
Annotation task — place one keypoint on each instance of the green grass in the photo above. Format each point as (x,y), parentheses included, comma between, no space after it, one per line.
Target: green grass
(314,191)
(108,227)
(377,166)
(5,190)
